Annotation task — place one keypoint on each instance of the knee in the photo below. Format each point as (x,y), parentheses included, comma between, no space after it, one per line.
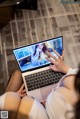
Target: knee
(12,101)
(26,105)
(17,72)
(14,95)
(26,100)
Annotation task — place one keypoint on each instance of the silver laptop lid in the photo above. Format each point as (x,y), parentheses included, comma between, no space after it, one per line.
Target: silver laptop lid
(32,56)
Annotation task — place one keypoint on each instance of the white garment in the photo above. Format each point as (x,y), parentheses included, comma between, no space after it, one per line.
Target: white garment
(38,111)
(2,100)
(70,72)
(56,105)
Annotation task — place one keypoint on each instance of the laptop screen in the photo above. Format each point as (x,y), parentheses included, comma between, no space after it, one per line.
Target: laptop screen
(33,56)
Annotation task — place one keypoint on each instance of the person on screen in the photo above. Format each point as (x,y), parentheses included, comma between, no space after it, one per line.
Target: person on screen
(38,56)
(44,49)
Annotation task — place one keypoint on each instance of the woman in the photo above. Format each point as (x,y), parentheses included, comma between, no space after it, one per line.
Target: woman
(77,88)
(35,58)
(38,56)
(59,101)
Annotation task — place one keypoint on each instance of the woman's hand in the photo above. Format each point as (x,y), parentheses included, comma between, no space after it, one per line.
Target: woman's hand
(22,91)
(58,63)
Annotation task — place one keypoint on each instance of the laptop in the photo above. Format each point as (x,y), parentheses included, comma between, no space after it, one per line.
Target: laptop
(38,78)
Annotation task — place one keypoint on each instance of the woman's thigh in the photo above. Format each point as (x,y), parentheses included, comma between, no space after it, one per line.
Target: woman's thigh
(31,109)
(12,101)
(11,104)
(15,81)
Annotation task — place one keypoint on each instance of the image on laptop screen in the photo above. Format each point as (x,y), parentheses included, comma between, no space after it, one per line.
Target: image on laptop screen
(33,56)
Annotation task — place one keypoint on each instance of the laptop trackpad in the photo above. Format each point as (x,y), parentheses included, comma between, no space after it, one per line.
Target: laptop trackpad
(46,90)
(36,94)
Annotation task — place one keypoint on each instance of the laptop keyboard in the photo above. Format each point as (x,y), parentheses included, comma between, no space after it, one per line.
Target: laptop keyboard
(42,79)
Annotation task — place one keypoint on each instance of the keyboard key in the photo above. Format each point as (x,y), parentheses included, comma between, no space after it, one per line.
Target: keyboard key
(41,79)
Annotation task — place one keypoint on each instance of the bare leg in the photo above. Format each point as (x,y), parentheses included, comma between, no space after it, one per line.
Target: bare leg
(25,107)
(25,112)
(12,102)
(15,82)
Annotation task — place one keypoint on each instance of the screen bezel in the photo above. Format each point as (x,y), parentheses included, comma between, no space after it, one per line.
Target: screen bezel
(35,44)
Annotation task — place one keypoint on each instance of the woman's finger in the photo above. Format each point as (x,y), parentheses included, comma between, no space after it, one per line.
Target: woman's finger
(49,59)
(53,67)
(22,95)
(22,87)
(57,54)
(62,55)
(50,55)
(24,91)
